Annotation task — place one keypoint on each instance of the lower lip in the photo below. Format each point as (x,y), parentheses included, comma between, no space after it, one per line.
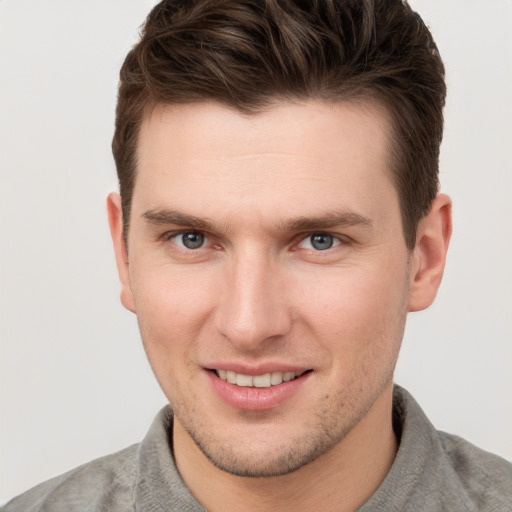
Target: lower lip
(255,399)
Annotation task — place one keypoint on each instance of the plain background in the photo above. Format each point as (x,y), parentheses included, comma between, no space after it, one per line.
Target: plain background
(74,380)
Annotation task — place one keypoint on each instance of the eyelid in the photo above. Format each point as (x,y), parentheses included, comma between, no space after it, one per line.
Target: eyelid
(211,242)
(169,235)
(338,240)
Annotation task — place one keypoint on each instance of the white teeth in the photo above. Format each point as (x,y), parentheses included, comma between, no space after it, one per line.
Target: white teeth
(244,380)
(257,381)
(288,376)
(230,377)
(276,378)
(261,381)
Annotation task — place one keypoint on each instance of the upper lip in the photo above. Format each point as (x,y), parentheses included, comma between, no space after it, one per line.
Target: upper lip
(257,369)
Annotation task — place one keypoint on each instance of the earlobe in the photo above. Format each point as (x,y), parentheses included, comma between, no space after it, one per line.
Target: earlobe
(115,219)
(429,256)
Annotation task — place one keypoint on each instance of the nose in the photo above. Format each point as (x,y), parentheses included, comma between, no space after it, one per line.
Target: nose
(253,309)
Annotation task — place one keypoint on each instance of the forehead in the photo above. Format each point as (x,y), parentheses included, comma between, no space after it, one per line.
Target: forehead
(287,123)
(315,154)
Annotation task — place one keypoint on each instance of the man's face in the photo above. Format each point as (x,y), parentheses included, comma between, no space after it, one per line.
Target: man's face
(263,248)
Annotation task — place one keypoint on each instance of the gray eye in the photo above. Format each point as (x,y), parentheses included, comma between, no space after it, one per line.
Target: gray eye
(321,241)
(192,240)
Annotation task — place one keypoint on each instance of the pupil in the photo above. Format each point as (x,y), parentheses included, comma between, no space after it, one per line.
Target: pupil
(321,241)
(192,240)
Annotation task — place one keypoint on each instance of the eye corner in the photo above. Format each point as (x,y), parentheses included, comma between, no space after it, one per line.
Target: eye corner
(185,239)
(319,241)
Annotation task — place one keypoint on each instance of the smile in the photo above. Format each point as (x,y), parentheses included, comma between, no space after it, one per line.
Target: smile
(257,381)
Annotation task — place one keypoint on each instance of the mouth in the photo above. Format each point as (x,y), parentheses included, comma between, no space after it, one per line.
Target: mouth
(265,380)
(259,391)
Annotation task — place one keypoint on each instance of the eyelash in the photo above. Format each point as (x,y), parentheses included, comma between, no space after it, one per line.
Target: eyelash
(336,241)
(167,237)
(303,237)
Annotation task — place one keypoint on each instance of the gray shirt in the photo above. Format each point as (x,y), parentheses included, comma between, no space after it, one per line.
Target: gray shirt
(433,471)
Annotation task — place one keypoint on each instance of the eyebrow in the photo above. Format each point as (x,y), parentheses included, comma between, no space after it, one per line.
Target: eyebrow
(338,218)
(328,220)
(164,217)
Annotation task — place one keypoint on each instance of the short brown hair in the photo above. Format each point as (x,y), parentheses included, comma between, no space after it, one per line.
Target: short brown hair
(247,54)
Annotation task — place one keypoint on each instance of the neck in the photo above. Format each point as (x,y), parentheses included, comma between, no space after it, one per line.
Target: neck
(342,479)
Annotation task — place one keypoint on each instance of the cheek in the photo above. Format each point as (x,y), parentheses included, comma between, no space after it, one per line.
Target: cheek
(172,307)
(357,315)
(171,314)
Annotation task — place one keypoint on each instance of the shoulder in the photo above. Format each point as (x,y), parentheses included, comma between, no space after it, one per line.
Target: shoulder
(439,472)
(103,484)
(484,477)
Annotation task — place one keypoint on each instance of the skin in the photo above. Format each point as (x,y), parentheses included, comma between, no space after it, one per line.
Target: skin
(258,293)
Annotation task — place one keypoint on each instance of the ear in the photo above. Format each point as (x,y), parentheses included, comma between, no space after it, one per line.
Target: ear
(115,220)
(429,255)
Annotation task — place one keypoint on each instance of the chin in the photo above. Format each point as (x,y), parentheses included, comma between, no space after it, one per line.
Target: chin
(267,455)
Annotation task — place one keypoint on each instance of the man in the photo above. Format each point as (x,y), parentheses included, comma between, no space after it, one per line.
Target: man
(279,216)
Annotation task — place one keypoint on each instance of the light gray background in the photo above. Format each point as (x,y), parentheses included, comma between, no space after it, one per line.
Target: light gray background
(74,380)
